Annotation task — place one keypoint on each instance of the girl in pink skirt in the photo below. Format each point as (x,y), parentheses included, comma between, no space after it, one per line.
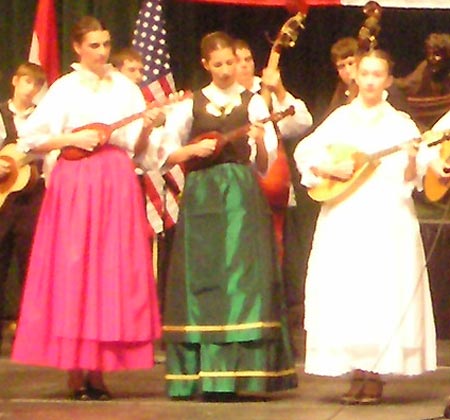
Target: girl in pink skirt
(89,303)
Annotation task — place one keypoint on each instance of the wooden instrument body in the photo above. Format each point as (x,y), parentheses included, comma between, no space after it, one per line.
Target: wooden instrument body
(435,187)
(76,153)
(105,130)
(196,163)
(22,173)
(332,189)
(276,183)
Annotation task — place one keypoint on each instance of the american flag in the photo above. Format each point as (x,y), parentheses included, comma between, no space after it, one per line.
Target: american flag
(158,83)
(150,41)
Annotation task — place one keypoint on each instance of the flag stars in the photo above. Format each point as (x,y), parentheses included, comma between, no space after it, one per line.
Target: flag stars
(150,37)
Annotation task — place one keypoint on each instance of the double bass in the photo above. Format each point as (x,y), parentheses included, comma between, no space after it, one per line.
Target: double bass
(276,183)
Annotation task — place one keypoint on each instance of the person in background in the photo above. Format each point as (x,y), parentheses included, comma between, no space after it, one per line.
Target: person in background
(155,187)
(368,311)
(343,56)
(224,322)
(440,165)
(89,304)
(129,62)
(431,77)
(277,184)
(19,212)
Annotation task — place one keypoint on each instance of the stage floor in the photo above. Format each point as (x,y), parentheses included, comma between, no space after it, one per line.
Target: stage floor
(29,393)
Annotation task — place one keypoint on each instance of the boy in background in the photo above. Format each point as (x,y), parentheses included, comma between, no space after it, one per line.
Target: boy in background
(19,212)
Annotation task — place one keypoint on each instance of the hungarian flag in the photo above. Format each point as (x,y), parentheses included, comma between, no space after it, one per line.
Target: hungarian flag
(44,43)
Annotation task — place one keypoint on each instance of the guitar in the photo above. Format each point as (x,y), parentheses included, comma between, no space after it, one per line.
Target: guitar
(436,187)
(197,163)
(106,130)
(333,189)
(21,174)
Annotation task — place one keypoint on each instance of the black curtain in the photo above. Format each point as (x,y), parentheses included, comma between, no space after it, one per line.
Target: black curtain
(306,67)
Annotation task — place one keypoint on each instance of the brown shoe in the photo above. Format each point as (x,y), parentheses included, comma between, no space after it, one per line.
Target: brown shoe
(447,410)
(356,387)
(371,392)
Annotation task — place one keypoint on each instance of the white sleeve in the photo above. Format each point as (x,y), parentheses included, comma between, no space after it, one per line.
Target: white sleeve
(46,121)
(132,102)
(312,150)
(166,139)
(2,131)
(257,110)
(292,126)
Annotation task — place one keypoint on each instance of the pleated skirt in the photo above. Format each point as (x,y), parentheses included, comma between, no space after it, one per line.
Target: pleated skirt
(225,320)
(90,300)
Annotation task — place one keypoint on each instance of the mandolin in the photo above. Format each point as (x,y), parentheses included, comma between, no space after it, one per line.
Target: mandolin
(21,175)
(197,163)
(106,130)
(333,189)
(436,187)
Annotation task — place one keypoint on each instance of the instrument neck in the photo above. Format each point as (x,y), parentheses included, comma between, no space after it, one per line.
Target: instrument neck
(126,120)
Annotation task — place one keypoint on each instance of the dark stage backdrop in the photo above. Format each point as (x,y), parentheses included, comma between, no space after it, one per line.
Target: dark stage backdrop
(306,67)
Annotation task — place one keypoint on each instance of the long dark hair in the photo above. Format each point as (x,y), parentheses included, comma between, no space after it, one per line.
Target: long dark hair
(83,26)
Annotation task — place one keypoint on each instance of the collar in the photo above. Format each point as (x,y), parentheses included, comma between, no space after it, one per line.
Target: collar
(370,115)
(222,101)
(92,80)
(21,114)
(256,85)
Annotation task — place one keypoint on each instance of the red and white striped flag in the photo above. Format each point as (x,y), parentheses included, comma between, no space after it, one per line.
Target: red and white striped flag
(44,43)
(150,41)
(302,5)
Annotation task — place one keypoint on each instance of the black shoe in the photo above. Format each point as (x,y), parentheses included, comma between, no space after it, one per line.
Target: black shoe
(220,397)
(97,394)
(81,394)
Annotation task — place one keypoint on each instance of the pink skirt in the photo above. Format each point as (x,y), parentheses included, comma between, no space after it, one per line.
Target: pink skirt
(90,300)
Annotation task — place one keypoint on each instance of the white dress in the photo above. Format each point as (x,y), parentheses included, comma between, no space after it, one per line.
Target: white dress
(367,297)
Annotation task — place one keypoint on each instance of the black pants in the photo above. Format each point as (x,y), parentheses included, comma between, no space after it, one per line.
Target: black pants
(18,218)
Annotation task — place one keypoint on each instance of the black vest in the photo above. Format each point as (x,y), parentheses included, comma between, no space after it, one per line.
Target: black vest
(236,151)
(8,121)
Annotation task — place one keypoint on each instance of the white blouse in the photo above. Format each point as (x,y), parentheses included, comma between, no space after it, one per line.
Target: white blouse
(177,128)
(81,98)
(293,126)
(369,130)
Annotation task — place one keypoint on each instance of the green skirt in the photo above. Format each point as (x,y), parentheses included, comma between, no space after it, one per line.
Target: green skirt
(225,321)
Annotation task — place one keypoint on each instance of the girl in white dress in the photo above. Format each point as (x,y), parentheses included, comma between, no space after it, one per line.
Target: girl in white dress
(367,307)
